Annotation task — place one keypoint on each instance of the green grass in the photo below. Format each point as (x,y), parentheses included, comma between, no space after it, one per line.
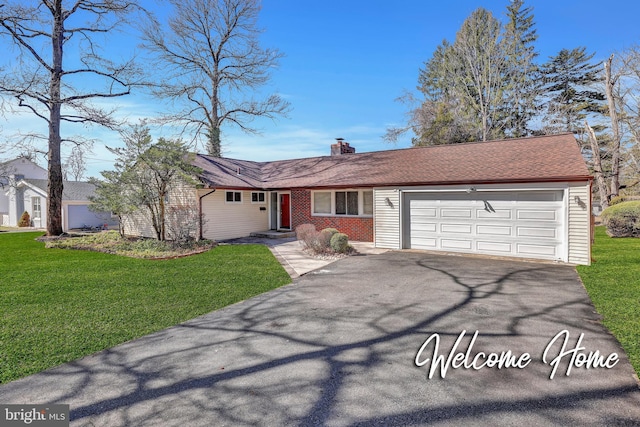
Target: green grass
(57,305)
(613,283)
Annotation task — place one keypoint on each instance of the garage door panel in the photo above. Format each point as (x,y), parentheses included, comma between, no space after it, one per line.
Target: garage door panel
(455,213)
(456,228)
(539,215)
(497,247)
(536,250)
(423,212)
(455,244)
(425,227)
(510,223)
(423,243)
(491,230)
(545,233)
(496,214)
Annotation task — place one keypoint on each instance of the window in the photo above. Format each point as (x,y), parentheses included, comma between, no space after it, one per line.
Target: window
(348,203)
(322,202)
(257,197)
(234,197)
(367,202)
(36,207)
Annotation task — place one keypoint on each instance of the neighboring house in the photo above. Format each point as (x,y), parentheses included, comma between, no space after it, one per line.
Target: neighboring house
(528,197)
(20,168)
(30,195)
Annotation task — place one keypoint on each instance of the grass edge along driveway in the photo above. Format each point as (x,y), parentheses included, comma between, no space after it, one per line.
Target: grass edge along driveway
(613,284)
(58,305)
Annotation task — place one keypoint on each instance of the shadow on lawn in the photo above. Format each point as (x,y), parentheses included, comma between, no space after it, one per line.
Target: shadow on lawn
(338,348)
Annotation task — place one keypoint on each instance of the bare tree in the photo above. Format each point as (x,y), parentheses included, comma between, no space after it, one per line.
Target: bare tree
(596,160)
(43,82)
(610,85)
(76,165)
(211,60)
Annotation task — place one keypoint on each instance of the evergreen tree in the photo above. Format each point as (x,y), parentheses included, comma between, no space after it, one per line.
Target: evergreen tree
(523,91)
(570,80)
(463,85)
(476,64)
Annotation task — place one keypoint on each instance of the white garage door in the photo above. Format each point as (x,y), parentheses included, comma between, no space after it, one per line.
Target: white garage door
(81,216)
(522,224)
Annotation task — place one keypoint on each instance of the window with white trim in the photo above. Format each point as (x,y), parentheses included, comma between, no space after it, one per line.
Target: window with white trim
(233,196)
(367,202)
(258,197)
(342,202)
(322,202)
(36,207)
(346,202)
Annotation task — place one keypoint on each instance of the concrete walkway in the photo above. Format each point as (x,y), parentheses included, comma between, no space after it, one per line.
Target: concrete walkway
(295,261)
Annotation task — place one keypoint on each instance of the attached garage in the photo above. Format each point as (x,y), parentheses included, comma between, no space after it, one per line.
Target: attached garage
(526,198)
(530,224)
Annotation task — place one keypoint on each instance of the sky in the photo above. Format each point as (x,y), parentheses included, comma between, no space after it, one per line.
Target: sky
(346,62)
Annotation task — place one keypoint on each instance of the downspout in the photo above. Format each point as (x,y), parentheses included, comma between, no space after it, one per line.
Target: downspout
(200,212)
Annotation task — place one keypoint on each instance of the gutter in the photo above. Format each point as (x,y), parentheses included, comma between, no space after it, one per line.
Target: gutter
(200,225)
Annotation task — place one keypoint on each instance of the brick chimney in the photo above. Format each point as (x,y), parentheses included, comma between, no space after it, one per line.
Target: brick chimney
(341,147)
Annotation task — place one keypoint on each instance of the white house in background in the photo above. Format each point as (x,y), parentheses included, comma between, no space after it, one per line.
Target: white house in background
(25,189)
(18,168)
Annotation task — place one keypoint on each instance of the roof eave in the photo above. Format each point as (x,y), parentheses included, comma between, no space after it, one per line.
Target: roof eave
(581,178)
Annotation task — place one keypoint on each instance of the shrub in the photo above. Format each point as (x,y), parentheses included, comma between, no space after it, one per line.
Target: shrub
(622,219)
(303,231)
(25,220)
(616,200)
(331,230)
(183,222)
(619,199)
(340,242)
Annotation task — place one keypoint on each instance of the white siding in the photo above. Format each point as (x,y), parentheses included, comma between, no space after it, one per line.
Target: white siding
(386,218)
(231,220)
(27,195)
(579,223)
(139,223)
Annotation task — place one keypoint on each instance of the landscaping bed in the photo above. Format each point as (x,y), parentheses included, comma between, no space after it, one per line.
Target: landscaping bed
(111,242)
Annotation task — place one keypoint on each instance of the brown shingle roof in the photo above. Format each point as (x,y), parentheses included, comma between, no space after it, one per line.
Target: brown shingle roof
(534,159)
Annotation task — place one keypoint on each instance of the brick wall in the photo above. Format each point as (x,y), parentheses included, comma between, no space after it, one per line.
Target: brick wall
(358,229)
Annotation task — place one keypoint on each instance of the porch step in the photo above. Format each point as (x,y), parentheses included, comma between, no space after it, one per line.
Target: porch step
(273,234)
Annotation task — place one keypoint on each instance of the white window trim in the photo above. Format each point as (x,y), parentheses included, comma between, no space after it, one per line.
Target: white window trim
(33,207)
(233,202)
(264,196)
(361,213)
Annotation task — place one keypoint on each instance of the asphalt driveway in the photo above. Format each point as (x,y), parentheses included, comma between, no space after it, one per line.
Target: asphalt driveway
(338,348)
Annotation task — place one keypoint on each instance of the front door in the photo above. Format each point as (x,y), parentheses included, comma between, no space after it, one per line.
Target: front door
(285,211)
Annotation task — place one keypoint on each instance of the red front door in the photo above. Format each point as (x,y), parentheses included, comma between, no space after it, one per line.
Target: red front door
(285,211)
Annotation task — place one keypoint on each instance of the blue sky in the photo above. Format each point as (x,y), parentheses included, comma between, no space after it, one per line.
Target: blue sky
(347,61)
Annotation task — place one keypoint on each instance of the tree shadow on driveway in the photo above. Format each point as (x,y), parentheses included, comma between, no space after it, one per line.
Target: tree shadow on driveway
(338,348)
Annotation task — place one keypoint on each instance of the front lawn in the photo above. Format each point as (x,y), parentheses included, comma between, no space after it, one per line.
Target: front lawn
(613,283)
(57,305)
